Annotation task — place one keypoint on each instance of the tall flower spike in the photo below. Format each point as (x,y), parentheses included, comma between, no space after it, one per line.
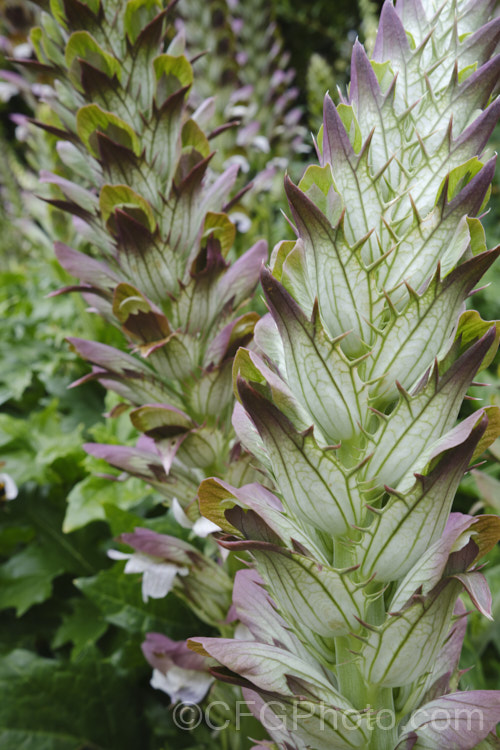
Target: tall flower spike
(351,404)
(246,66)
(135,165)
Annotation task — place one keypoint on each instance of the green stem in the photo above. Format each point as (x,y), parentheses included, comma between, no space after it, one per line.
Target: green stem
(381,698)
(351,682)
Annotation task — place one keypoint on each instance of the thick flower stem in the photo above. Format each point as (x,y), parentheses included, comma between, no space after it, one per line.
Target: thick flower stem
(381,699)
(351,683)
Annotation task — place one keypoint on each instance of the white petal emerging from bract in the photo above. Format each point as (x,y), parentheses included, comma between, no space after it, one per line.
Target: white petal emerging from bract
(159,576)
(179,515)
(185,685)
(202,527)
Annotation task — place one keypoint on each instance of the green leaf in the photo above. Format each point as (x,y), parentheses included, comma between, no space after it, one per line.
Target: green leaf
(317,184)
(119,599)
(83,626)
(49,705)
(12,535)
(122,522)
(94,5)
(346,113)
(457,178)
(87,499)
(36,41)
(57,10)
(193,137)
(470,327)
(26,578)
(221,228)
(34,447)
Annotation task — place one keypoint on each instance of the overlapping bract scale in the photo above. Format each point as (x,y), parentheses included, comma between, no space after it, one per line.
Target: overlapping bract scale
(351,400)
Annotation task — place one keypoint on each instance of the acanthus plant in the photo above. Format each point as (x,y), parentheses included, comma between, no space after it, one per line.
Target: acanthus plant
(150,213)
(243,62)
(351,401)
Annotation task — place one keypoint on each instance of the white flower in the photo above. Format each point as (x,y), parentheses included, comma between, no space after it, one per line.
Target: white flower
(7,91)
(202,527)
(185,685)
(242,221)
(159,575)
(261,142)
(42,90)
(21,133)
(239,160)
(8,488)
(22,51)
(237,110)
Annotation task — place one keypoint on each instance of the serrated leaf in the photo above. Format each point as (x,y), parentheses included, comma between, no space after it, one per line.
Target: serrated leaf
(265,666)
(346,294)
(218,498)
(82,627)
(466,718)
(87,499)
(405,438)
(26,578)
(49,705)
(119,599)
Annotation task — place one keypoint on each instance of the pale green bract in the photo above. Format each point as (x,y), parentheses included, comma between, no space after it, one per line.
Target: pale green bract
(351,403)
